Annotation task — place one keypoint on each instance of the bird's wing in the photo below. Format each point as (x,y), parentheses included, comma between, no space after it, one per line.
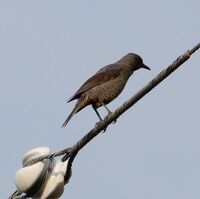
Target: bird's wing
(101,77)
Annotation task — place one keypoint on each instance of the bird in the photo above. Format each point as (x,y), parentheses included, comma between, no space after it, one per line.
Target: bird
(104,86)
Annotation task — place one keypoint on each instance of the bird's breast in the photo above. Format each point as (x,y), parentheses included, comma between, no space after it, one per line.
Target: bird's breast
(106,92)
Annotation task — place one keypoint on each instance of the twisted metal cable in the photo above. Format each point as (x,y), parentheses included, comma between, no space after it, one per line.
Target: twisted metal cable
(17,195)
(43,157)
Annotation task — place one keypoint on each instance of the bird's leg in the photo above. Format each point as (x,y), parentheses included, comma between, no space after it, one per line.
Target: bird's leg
(97,112)
(109,112)
(98,116)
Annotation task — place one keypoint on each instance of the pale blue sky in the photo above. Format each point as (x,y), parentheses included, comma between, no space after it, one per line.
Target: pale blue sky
(49,48)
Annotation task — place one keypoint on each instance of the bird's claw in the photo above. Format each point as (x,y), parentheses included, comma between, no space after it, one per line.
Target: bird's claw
(104,130)
(114,120)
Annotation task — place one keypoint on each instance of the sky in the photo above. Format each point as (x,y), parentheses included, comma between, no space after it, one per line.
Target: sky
(49,48)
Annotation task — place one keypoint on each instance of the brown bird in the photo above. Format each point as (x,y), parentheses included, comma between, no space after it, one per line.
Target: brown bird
(106,84)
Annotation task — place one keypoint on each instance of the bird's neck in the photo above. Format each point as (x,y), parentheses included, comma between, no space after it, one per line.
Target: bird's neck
(127,72)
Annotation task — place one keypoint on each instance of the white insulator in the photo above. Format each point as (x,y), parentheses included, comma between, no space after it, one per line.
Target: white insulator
(54,187)
(28,177)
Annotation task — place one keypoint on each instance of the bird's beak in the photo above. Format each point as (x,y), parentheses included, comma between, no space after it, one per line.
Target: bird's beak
(146,67)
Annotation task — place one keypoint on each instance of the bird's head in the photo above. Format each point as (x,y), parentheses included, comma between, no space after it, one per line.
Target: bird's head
(134,61)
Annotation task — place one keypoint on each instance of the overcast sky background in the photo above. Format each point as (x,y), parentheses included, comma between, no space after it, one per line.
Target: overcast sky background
(49,48)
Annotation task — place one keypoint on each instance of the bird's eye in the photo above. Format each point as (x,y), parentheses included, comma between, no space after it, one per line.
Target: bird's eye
(139,60)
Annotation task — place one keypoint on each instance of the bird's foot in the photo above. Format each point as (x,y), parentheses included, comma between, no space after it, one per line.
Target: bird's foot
(104,130)
(114,120)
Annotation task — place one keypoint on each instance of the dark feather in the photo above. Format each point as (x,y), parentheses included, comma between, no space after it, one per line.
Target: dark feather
(101,77)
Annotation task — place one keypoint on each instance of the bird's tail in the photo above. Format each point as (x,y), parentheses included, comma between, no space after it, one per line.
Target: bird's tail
(79,105)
